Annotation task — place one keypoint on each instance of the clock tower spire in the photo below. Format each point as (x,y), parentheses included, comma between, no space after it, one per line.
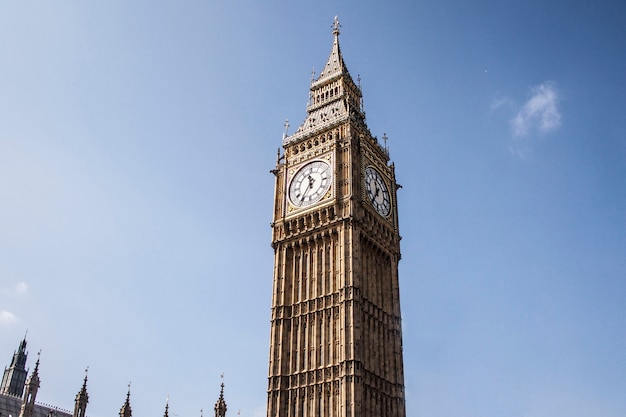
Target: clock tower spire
(336,339)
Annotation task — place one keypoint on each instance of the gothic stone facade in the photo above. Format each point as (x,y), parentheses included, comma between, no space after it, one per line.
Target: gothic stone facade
(336,341)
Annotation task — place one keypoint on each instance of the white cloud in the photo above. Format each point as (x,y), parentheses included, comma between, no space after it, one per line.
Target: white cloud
(7,318)
(501,102)
(21,287)
(540,112)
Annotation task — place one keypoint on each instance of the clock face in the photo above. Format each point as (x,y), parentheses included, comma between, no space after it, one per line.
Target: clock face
(377,191)
(310,184)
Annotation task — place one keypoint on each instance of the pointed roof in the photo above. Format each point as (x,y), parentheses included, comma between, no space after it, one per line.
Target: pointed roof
(126,411)
(15,375)
(34,377)
(167,407)
(220,405)
(82,399)
(82,394)
(335,66)
(20,355)
(330,107)
(22,348)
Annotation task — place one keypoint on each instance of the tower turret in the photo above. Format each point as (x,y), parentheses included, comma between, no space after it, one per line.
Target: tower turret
(82,398)
(30,392)
(220,405)
(14,376)
(126,411)
(167,407)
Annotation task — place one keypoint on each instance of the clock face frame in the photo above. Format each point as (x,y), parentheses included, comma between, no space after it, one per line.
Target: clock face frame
(310,184)
(377,191)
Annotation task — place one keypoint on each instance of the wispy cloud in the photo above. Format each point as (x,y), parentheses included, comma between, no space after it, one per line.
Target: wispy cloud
(19,288)
(501,102)
(540,112)
(7,318)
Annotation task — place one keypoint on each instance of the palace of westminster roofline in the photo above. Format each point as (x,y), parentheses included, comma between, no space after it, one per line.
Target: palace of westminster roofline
(18,393)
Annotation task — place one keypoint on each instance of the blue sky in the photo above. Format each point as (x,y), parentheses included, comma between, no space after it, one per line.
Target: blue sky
(136,140)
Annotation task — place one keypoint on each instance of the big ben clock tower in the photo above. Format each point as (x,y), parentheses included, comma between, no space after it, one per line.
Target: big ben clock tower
(336,339)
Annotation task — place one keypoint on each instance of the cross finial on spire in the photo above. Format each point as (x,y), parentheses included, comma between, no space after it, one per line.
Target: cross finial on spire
(336,26)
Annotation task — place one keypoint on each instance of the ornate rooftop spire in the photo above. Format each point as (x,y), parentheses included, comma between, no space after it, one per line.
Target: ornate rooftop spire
(35,373)
(126,411)
(82,398)
(220,405)
(335,65)
(22,348)
(30,391)
(83,390)
(15,375)
(334,98)
(167,407)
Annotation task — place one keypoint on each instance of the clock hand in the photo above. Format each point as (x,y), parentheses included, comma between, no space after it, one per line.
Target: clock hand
(311,181)
(375,195)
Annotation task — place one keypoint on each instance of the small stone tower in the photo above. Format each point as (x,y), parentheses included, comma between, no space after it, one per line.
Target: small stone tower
(82,398)
(126,411)
(220,405)
(30,392)
(14,376)
(167,408)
